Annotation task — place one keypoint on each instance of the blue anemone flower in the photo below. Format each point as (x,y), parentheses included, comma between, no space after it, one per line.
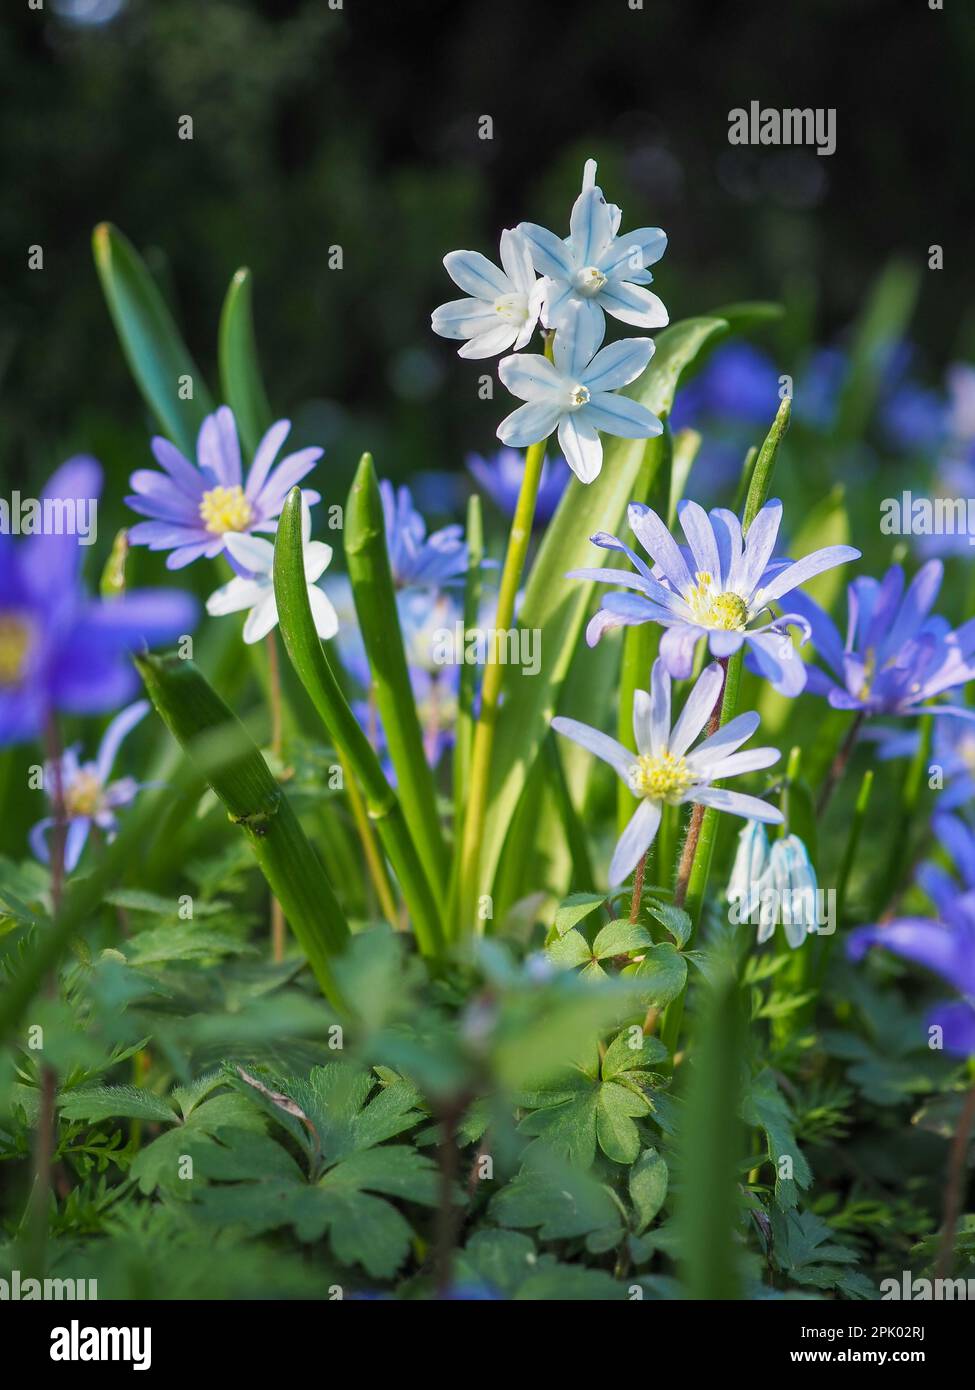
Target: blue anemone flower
(897,654)
(193,508)
(719,587)
(946,947)
(61,649)
(88,797)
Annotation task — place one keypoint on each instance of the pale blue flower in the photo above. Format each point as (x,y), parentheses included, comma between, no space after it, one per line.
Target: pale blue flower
(503,305)
(576,393)
(594,267)
(664,772)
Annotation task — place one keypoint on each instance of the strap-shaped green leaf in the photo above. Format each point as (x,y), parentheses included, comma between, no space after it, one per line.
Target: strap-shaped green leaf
(316,675)
(170,381)
(375,601)
(240,370)
(202,724)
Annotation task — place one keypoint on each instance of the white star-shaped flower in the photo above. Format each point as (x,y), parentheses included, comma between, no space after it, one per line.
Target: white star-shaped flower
(503,306)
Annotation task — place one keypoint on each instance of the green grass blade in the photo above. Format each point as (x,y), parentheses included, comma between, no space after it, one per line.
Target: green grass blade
(157,356)
(315,673)
(240,370)
(199,720)
(375,602)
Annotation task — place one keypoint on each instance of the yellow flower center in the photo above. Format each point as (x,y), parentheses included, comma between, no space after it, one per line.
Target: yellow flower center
(578,397)
(869,671)
(513,308)
(726,611)
(14,646)
(84,796)
(590,281)
(661,777)
(225,509)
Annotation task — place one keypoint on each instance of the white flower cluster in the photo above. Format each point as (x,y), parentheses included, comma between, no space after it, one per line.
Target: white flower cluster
(569,285)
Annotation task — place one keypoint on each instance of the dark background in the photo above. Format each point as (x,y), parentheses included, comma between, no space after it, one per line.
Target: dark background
(358,127)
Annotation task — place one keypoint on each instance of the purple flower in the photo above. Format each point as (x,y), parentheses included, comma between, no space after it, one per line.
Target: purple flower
(89,797)
(712,588)
(947,947)
(194,507)
(897,653)
(417,560)
(738,384)
(500,477)
(59,648)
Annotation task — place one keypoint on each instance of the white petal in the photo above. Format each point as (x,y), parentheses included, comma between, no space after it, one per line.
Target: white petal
(528,424)
(235,596)
(751,760)
(581,446)
(532,377)
(550,255)
(618,364)
(318,556)
(516,258)
(633,252)
(729,737)
(261,620)
(633,304)
(251,552)
(635,841)
(590,226)
(476,275)
(578,336)
(739,804)
(324,614)
(609,749)
(463,318)
(498,335)
(698,708)
(614,414)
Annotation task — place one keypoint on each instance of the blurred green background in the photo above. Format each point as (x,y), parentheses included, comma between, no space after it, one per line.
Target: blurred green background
(358,127)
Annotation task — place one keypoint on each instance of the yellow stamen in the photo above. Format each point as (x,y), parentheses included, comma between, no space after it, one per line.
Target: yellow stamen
(14,646)
(84,796)
(726,611)
(661,777)
(225,509)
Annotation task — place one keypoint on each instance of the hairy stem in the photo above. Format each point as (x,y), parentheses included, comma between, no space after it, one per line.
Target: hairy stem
(954,1189)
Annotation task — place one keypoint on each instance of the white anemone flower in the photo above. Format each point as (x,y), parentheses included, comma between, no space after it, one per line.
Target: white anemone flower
(503,306)
(576,393)
(665,770)
(595,266)
(256,591)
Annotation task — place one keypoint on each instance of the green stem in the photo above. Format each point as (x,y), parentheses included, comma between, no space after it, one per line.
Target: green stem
(315,673)
(583,877)
(514,563)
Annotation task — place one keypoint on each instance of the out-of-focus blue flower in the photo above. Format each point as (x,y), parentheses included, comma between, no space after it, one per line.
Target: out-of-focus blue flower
(87,795)
(665,770)
(947,947)
(500,477)
(712,589)
(594,267)
(818,388)
(957,839)
(739,384)
(897,653)
(60,649)
(419,561)
(194,507)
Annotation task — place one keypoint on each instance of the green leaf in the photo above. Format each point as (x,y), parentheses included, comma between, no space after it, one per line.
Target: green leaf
(204,726)
(661,974)
(561,1202)
(622,1056)
(153,348)
(310,661)
(240,371)
(675,919)
(158,1165)
(367,556)
(558,606)
(617,938)
(574,908)
(648,1187)
(618,1136)
(766,1108)
(95,1103)
(572,949)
